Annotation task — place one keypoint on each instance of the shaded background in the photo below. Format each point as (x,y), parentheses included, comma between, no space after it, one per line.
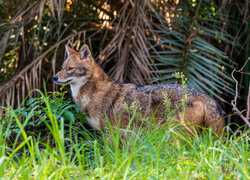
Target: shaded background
(140,41)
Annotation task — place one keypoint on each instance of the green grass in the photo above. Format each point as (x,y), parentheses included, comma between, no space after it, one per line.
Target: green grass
(45,141)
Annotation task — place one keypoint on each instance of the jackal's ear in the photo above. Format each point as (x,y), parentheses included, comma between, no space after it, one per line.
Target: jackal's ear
(69,50)
(84,52)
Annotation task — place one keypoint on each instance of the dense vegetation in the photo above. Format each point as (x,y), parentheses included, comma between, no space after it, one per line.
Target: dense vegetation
(43,135)
(68,150)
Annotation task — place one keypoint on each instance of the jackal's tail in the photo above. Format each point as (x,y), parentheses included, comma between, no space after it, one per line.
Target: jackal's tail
(214,117)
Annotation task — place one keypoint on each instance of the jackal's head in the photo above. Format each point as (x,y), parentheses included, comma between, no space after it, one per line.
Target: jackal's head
(76,68)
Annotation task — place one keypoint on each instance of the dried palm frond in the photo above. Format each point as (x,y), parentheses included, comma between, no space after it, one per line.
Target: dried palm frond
(127,51)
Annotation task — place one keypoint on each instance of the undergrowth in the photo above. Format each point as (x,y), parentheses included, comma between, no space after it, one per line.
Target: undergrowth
(48,140)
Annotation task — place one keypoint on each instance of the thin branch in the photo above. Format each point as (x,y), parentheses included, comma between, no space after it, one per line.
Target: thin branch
(234,102)
(248,103)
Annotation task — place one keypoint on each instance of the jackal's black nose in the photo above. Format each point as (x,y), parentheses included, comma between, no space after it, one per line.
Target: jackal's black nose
(55,78)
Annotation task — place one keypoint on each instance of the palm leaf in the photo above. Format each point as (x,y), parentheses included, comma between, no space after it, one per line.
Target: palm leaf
(187,48)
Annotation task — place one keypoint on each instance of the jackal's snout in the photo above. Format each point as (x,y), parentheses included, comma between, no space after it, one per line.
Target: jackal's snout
(55,78)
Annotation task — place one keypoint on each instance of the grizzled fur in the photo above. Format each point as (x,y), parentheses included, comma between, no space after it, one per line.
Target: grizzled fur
(97,95)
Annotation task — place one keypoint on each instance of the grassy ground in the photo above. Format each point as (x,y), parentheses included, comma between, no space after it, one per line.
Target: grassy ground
(45,140)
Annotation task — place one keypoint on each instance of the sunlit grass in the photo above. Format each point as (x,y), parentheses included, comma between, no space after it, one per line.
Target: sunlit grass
(141,153)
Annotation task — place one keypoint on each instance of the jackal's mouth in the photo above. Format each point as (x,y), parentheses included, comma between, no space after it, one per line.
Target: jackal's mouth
(64,82)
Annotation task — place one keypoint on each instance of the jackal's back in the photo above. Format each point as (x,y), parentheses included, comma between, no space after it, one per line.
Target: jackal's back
(201,110)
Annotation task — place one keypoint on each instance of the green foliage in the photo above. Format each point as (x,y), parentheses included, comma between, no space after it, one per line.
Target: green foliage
(152,152)
(186,44)
(35,117)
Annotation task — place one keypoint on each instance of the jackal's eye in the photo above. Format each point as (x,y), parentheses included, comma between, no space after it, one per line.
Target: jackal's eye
(70,68)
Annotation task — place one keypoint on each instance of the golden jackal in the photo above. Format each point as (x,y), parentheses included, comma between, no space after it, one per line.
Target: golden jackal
(98,96)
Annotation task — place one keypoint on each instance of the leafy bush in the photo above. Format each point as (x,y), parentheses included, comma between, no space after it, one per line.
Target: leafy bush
(36,114)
